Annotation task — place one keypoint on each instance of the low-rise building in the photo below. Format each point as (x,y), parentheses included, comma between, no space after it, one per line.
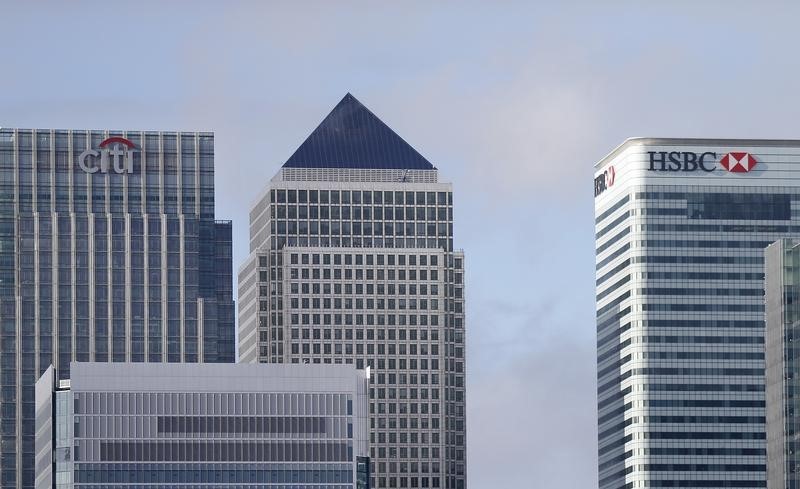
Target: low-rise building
(126,425)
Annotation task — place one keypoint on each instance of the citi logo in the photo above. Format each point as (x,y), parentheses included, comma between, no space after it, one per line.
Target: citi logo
(687,161)
(115,153)
(738,162)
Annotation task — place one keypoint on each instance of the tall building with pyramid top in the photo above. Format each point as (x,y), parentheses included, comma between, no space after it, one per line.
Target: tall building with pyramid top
(352,261)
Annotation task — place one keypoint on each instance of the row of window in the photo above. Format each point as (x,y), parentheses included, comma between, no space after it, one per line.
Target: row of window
(358,213)
(358,348)
(360,259)
(283,196)
(211,427)
(222,451)
(191,403)
(226,485)
(720,228)
(371,334)
(358,228)
(361,289)
(402,452)
(683,259)
(119,226)
(701,243)
(705,387)
(349,304)
(242,424)
(755,308)
(715,292)
(225,474)
(369,274)
(304,241)
(733,276)
(168,141)
(685,451)
(702,419)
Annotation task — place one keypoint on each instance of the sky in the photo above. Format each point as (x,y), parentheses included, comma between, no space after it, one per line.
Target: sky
(513,102)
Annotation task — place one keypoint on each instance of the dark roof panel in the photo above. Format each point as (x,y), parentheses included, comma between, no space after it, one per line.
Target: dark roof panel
(353,137)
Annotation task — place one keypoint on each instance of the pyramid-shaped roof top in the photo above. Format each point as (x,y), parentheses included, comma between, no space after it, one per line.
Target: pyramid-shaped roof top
(353,137)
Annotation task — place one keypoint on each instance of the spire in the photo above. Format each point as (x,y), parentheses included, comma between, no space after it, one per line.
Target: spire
(353,137)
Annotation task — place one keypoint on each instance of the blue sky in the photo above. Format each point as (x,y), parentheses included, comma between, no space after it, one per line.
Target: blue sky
(513,102)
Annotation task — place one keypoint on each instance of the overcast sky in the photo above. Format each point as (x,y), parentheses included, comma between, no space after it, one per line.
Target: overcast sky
(513,102)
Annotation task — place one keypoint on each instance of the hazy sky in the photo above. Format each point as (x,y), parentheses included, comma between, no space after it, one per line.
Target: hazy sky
(513,102)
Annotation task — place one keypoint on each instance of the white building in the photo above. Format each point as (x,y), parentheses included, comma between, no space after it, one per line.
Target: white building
(171,425)
(352,261)
(681,226)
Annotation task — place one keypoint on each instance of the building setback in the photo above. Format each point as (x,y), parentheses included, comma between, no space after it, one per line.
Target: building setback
(783,373)
(176,426)
(352,261)
(681,226)
(109,251)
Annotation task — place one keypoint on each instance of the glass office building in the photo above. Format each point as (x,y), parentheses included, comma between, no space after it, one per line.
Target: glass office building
(109,252)
(783,370)
(681,226)
(181,426)
(352,261)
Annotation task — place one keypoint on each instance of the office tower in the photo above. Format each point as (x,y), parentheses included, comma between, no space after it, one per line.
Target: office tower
(108,252)
(178,426)
(783,372)
(352,261)
(681,226)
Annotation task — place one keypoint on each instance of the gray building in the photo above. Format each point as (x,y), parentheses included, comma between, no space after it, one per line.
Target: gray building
(783,371)
(109,251)
(681,226)
(352,261)
(181,426)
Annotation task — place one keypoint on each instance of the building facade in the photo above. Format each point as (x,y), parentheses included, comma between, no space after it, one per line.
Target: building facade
(681,226)
(783,372)
(352,261)
(181,426)
(109,251)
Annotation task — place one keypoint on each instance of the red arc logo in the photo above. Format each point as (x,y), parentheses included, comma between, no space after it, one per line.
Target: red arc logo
(117,139)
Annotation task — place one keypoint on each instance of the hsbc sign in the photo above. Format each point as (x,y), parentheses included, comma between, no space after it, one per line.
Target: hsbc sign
(687,161)
(604,180)
(115,154)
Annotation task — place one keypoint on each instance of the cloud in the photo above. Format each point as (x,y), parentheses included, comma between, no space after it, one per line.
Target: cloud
(533,423)
(513,102)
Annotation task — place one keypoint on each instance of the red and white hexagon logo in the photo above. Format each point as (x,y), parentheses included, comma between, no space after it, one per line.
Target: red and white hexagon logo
(738,162)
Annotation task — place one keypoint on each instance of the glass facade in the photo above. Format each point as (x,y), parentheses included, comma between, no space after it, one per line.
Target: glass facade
(296,427)
(680,315)
(783,319)
(352,262)
(108,252)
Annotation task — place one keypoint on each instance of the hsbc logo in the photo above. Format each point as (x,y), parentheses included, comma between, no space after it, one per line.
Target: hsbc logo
(604,180)
(114,153)
(687,161)
(738,162)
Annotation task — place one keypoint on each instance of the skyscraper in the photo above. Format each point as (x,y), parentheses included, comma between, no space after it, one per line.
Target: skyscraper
(109,251)
(783,372)
(352,261)
(681,226)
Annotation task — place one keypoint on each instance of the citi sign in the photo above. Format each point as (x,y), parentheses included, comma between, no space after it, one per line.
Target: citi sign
(734,162)
(114,153)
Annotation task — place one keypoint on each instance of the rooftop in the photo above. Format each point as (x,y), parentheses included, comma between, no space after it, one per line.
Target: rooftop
(351,136)
(777,143)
